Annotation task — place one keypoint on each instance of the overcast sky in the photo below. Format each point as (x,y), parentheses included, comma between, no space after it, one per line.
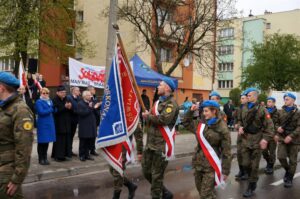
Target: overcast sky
(258,7)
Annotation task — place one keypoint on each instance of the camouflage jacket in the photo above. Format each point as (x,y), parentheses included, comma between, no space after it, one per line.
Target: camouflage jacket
(262,122)
(219,138)
(168,113)
(275,117)
(16,138)
(291,128)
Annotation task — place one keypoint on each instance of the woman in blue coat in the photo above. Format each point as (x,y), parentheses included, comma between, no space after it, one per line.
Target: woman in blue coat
(45,125)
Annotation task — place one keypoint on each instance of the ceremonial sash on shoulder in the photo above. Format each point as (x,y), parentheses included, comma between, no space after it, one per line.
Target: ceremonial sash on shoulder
(167,133)
(210,155)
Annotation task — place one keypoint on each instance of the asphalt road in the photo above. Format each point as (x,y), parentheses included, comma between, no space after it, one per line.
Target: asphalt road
(179,179)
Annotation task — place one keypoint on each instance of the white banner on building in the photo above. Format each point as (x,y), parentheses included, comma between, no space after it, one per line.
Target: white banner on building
(85,75)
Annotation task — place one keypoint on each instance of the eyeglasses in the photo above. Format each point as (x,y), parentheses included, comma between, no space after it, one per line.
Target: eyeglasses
(45,93)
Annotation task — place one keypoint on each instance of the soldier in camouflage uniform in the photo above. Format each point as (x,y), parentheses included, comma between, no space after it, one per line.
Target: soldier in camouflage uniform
(242,175)
(154,161)
(217,134)
(269,153)
(256,128)
(287,136)
(215,96)
(119,180)
(16,138)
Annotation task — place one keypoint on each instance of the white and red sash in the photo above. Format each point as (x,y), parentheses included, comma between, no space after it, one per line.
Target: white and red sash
(210,155)
(168,135)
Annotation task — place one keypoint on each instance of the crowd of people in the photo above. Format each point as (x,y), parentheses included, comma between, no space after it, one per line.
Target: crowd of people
(261,129)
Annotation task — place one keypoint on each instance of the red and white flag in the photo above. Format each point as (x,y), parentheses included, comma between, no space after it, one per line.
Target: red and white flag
(210,155)
(22,75)
(168,135)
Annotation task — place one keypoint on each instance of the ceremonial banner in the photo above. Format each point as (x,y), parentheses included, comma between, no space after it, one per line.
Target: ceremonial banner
(119,114)
(84,75)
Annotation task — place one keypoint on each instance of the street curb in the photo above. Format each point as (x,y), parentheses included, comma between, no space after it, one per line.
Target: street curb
(73,171)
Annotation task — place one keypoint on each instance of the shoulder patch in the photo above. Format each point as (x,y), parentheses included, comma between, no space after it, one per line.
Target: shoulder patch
(170,105)
(169,110)
(28,125)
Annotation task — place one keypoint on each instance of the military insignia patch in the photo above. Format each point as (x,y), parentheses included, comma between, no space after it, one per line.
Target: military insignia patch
(168,110)
(28,126)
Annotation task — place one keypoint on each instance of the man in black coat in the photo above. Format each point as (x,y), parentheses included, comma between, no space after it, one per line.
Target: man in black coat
(229,109)
(87,126)
(74,98)
(96,103)
(62,120)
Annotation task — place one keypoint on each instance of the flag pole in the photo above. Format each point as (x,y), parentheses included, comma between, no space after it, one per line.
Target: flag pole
(116,27)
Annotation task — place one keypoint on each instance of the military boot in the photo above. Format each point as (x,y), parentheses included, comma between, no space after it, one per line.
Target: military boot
(166,194)
(245,175)
(250,190)
(285,178)
(131,188)
(269,169)
(289,181)
(117,194)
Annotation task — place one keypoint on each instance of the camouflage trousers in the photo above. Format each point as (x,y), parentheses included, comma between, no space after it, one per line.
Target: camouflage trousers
(205,184)
(3,195)
(250,161)
(154,165)
(118,179)
(287,155)
(239,147)
(269,153)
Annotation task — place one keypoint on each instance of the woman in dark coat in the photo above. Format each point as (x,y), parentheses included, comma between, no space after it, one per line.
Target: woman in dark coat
(87,126)
(45,125)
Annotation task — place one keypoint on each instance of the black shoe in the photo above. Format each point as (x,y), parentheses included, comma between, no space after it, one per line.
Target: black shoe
(46,161)
(94,153)
(42,162)
(250,190)
(131,189)
(269,169)
(116,194)
(82,159)
(89,158)
(289,181)
(166,194)
(60,159)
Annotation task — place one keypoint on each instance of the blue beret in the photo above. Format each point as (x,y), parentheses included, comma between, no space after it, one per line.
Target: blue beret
(248,90)
(291,95)
(243,93)
(271,98)
(170,83)
(214,93)
(210,103)
(9,79)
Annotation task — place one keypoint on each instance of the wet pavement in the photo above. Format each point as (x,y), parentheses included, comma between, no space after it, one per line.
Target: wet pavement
(179,179)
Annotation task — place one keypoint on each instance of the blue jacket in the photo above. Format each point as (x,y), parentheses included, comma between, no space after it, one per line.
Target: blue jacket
(45,121)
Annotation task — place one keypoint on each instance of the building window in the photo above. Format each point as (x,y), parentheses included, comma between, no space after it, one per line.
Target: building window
(79,16)
(70,37)
(7,64)
(225,84)
(226,50)
(227,66)
(268,25)
(226,32)
(166,54)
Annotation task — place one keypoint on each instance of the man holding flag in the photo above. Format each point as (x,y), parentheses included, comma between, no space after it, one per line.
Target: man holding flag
(119,118)
(160,129)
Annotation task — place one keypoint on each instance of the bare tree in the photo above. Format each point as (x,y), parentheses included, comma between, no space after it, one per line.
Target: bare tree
(188,27)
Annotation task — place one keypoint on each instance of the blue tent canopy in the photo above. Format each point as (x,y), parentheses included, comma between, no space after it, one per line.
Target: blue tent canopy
(145,76)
